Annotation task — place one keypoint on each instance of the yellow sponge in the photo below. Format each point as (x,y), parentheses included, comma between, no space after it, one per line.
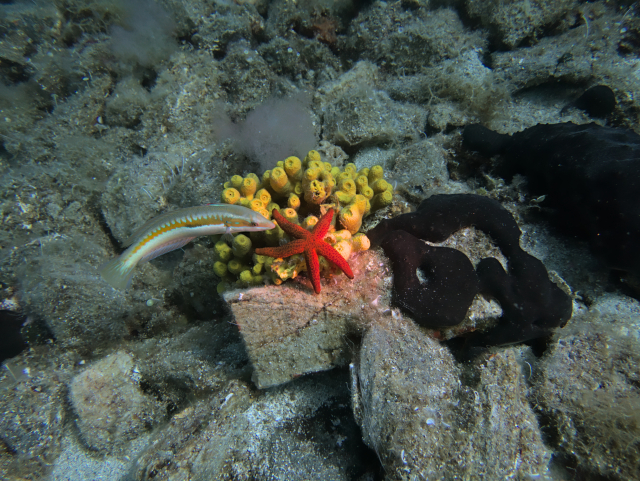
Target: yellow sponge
(248,187)
(222,251)
(375,173)
(236,182)
(293,168)
(293,202)
(241,245)
(312,155)
(381,200)
(230,196)
(280,182)
(220,269)
(263,196)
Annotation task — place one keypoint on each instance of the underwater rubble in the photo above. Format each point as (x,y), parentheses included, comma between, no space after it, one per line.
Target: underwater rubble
(115,112)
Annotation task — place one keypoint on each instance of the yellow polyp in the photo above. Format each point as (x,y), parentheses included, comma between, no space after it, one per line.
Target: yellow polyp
(311,174)
(266,178)
(315,193)
(248,187)
(264,213)
(347,185)
(360,242)
(312,155)
(222,251)
(362,204)
(337,236)
(342,176)
(381,200)
(367,192)
(351,168)
(293,168)
(327,166)
(220,269)
(293,202)
(263,196)
(257,280)
(245,277)
(290,214)
(328,179)
(380,185)
(335,172)
(257,269)
(236,182)
(258,259)
(361,182)
(342,198)
(297,189)
(375,173)
(241,245)
(230,196)
(254,177)
(280,164)
(221,287)
(344,248)
(226,185)
(364,171)
(272,205)
(309,222)
(244,202)
(235,266)
(342,234)
(316,164)
(278,179)
(280,182)
(256,205)
(350,218)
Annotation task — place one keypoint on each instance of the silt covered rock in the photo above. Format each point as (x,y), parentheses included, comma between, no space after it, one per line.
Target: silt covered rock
(426,420)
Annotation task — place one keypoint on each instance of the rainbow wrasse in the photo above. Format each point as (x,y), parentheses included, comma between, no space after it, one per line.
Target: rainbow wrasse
(173,230)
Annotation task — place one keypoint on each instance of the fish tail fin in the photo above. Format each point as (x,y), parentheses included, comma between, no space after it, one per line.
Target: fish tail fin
(117,273)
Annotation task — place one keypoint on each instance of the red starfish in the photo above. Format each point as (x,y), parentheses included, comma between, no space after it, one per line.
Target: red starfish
(309,243)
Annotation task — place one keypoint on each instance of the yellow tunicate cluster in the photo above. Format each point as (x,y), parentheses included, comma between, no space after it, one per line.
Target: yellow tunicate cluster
(302,190)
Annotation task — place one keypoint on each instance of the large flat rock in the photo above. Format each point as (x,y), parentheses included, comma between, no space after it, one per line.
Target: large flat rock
(289,331)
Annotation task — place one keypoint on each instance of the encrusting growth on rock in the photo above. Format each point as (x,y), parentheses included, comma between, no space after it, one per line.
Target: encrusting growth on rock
(300,190)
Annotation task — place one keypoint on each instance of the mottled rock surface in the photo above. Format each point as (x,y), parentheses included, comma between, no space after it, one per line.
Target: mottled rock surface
(425,419)
(60,285)
(301,431)
(111,407)
(511,23)
(32,403)
(587,385)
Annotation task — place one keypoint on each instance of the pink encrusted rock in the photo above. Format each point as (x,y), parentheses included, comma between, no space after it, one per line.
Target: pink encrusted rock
(290,331)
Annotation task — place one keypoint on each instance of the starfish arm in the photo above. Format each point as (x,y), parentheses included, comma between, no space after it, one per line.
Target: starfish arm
(313,268)
(323,225)
(333,256)
(290,228)
(287,250)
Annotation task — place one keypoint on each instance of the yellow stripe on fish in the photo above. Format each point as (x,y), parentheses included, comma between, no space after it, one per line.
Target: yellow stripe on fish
(173,230)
